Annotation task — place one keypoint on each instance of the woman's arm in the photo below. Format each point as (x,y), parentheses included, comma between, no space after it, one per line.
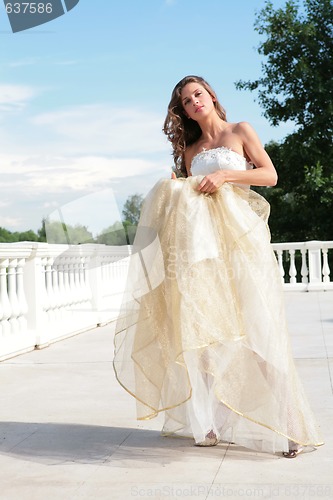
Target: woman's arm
(263,175)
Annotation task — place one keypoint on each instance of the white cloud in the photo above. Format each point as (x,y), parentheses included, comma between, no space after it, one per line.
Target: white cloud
(37,185)
(12,222)
(104,128)
(33,61)
(52,175)
(4,204)
(32,202)
(57,157)
(27,61)
(15,96)
(69,62)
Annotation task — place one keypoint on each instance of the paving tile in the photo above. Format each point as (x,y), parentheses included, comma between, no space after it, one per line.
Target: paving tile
(68,430)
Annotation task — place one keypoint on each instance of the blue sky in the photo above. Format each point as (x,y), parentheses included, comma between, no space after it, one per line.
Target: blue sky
(83,99)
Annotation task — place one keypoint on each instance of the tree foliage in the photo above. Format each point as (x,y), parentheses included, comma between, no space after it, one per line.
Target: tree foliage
(119,233)
(302,202)
(297,85)
(9,237)
(298,71)
(132,209)
(58,232)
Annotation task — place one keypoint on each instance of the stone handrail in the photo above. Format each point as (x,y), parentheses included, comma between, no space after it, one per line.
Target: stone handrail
(305,265)
(49,292)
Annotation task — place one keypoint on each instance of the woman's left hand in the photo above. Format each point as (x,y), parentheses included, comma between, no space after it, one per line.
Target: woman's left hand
(212,182)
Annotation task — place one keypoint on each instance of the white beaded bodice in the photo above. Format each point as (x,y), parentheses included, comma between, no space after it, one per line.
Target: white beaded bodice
(210,160)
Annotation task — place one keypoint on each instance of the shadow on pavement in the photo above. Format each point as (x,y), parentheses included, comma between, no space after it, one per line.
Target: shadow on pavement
(57,443)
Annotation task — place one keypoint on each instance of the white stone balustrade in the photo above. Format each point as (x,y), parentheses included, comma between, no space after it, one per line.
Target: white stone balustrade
(49,292)
(305,265)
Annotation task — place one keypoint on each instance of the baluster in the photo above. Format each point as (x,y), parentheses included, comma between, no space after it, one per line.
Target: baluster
(4,300)
(68,298)
(326,268)
(78,289)
(95,280)
(21,295)
(75,289)
(81,280)
(55,286)
(125,266)
(117,268)
(280,264)
(110,275)
(12,295)
(49,288)
(84,279)
(58,267)
(102,276)
(304,269)
(71,281)
(55,290)
(76,280)
(292,267)
(107,278)
(45,295)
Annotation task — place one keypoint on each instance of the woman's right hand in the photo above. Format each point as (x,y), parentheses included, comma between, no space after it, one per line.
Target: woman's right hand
(173,176)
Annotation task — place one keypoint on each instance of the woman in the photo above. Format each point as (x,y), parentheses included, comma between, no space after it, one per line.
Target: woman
(202,334)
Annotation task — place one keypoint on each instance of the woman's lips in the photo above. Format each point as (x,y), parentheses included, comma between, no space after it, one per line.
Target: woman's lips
(199,108)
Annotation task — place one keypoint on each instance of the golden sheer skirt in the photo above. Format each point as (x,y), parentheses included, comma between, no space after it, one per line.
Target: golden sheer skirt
(202,334)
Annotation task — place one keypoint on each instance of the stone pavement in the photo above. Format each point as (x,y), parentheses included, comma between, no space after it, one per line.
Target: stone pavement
(68,430)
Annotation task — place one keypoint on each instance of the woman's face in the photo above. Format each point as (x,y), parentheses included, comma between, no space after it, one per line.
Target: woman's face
(196,101)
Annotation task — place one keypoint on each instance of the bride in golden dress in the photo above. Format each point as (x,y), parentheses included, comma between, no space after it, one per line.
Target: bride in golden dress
(202,334)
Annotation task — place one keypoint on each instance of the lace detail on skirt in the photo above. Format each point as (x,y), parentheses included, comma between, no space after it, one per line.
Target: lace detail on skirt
(202,334)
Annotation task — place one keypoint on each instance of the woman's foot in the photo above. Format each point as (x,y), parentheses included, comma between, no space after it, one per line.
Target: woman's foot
(294,450)
(211,439)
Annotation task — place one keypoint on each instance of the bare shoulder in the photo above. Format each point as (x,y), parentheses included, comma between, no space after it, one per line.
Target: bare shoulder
(247,136)
(244,129)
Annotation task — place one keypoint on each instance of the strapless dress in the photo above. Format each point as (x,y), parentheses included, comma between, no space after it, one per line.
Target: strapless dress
(202,335)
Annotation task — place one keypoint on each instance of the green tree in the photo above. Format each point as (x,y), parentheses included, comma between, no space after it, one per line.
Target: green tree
(6,236)
(113,235)
(9,237)
(132,209)
(58,232)
(42,231)
(119,233)
(29,235)
(298,71)
(297,85)
(301,203)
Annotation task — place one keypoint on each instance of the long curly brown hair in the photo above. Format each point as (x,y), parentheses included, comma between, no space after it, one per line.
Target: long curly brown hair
(180,130)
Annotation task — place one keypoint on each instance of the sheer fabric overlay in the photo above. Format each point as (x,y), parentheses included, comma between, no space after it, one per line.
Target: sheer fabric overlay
(202,334)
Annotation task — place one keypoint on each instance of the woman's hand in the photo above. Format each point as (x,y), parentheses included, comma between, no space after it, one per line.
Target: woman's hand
(212,182)
(173,176)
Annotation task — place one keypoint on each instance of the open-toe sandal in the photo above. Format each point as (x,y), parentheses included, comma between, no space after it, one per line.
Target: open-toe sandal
(211,439)
(292,453)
